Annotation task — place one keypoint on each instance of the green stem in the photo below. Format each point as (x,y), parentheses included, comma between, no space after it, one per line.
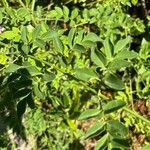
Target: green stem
(131,94)
(137,115)
(33,5)
(21,3)
(5,4)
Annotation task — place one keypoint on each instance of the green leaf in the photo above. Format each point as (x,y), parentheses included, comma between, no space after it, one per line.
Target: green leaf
(117,129)
(102,143)
(11,35)
(118,142)
(3,58)
(113,105)
(1,17)
(113,82)
(134,2)
(89,114)
(121,44)
(39,43)
(48,77)
(31,69)
(58,45)
(98,58)
(25,48)
(22,12)
(24,33)
(47,36)
(85,74)
(146,147)
(126,54)
(79,37)
(117,64)
(95,130)
(66,13)
(37,91)
(89,44)
(36,32)
(59,12)
(52,14)
(79,48)
(74,13)
(12,68)
(91,37)
(109,48)
(71,37)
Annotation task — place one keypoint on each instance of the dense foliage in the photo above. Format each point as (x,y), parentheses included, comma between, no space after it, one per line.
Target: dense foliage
(75,74)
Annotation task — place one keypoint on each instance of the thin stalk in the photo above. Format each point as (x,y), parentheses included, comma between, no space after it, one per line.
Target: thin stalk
(5,4)
(33,5)
(21,3)
(137,115)
(32,9)
(131,94)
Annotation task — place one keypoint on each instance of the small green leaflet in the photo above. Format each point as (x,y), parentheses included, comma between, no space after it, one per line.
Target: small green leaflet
(108,48)
(79,48)
(98,58)
(66,13)
(31,69)
(74,13)
(113,81)
(47,36)
(113,105)
(91,37)
(37,91)
(134,2)
(71,37)
(3,58)
(36,32)
(102,143)
(95,130)
(39,43)
(22,12)
(59,12)
(116,143)
(117,64)
(89,113)
(24,33)
(126,54)
(12,68)
(58,45)
(85,74)
(121,44)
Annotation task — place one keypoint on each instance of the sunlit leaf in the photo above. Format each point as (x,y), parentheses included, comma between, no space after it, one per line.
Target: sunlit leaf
(85,73)
(102,143)
(71,36)
(89,113)
(12,68)
(95,130)
(113,81)
(98,58)
(121,44)
(113,105)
